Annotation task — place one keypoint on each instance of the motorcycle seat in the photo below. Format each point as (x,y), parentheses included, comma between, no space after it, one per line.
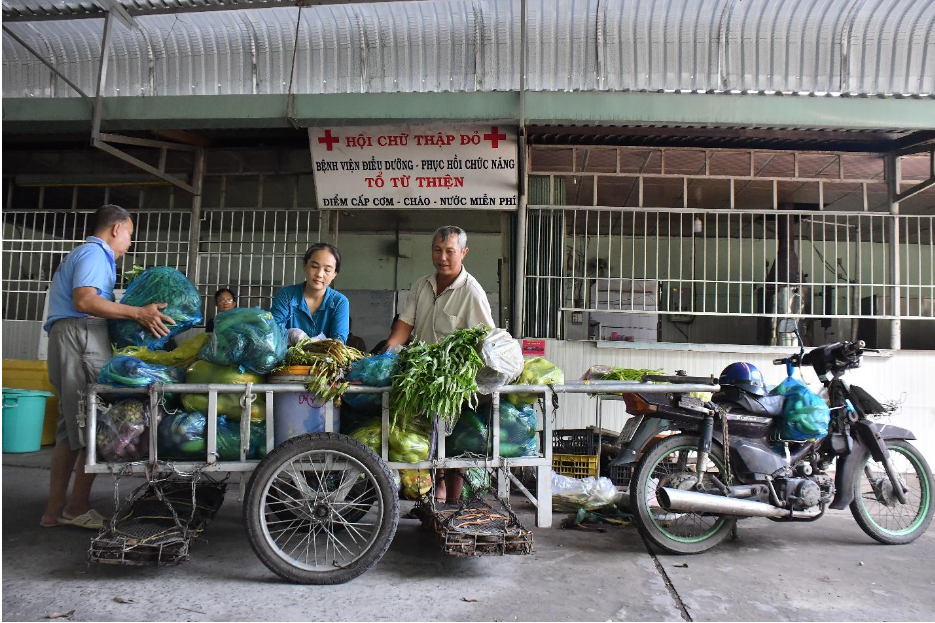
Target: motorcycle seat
(767,406)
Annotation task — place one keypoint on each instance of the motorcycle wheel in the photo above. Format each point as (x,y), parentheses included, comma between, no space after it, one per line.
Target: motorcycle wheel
(321,509)
(877,510)
(672,463)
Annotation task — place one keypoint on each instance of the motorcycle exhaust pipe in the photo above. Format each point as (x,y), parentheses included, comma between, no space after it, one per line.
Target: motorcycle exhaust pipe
(695,502)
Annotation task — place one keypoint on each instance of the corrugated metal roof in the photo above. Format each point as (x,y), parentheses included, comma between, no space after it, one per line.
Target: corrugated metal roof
(854,47)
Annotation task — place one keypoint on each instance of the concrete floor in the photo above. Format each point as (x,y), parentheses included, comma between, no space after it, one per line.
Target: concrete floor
(773,572)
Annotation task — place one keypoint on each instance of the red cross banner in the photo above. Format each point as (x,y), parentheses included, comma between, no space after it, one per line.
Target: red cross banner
(415,167)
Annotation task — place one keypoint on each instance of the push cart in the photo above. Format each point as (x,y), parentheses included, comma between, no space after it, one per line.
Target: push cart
(322,508)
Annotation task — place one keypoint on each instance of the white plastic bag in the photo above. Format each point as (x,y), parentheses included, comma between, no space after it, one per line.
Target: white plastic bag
(587,493)
(503,361)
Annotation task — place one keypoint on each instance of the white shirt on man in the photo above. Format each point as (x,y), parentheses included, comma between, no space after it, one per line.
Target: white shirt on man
(461,305)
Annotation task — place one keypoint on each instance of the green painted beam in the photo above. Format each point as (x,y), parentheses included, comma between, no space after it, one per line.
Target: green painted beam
(269,111)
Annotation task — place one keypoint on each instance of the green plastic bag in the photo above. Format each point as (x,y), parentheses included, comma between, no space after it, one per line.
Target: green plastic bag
(228,404)
(248,337)
(229,440)
(159,284)
(536,371)
(805,415)
(518,432)
(370,435)
(476,482)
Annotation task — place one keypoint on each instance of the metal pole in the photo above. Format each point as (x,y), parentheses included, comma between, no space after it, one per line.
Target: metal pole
(892,190)
(519,270)
(194,240)
(101,77)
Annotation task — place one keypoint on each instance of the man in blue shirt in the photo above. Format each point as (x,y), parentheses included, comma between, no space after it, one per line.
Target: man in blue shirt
(81,298)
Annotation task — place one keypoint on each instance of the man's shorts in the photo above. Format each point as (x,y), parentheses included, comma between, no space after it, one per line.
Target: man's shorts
(78,349)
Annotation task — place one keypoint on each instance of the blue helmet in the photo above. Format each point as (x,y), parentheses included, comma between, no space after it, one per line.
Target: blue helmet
(745,376)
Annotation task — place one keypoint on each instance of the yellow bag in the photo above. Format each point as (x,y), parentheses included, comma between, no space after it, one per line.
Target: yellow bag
(185,355)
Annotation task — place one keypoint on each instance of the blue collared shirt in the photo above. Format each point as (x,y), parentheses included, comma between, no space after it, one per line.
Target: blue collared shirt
(90,265)
(331,318)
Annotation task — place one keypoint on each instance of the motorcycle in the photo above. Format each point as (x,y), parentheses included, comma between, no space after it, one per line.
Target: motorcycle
(702,465)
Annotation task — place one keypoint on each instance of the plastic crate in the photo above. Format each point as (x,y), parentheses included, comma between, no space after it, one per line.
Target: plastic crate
(580,440)
(620,474)
(575,465)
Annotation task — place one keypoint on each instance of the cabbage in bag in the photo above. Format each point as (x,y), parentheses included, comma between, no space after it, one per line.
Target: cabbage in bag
(247,337)
(536,371)
(375,371)
(228,404)
(518,432)
(185,436)
(123,431)
(159,284)
(229,440)
(805,415)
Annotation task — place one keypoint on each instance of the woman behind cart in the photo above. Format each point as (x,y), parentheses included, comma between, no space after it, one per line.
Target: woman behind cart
(314,307)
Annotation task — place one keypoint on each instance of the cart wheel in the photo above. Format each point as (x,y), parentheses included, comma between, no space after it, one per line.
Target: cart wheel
(321,509)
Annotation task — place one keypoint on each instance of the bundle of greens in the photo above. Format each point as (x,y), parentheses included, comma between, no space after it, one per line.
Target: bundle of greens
(437,378)
(329,361)
(628,374)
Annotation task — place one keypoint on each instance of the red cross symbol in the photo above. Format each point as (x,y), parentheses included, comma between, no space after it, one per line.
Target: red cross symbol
(329,140)
(494,137)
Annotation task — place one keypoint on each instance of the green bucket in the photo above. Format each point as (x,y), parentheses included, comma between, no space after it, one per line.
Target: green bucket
(23,412)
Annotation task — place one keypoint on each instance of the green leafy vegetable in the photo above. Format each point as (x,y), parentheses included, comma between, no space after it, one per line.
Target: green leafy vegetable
(437,378)
(329,361)
(628,374)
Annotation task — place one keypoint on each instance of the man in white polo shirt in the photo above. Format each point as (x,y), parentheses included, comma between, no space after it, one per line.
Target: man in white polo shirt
(439,304)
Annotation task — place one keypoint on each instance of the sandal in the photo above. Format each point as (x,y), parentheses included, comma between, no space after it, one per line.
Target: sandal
(91,520)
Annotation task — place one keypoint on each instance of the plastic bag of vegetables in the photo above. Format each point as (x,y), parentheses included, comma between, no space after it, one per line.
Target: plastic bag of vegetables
(124,371)
(375,371)
(536,371)
(229,440)
(503,361)
(159,284)
(122,431)
(183,356)
(408,446)
(248,337)
(228,404)
(415,483)
(182,436)
(805,415)
(518,432)
(370,435)
(476,482)
(471,434)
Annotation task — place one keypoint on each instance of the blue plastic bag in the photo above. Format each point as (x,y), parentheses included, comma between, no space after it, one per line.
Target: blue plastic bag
(805,415)
(248,337)
(126,371)
(375,371)
(185,436)
(159,284)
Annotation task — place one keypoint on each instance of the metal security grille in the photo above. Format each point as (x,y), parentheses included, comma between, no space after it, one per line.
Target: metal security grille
(36,241)
(683,233)
(254,252)
(255,228)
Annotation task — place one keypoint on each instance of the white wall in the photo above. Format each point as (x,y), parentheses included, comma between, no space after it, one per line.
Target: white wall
(908,376)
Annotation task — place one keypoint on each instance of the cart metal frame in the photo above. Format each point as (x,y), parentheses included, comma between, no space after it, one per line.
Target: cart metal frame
(250,392)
